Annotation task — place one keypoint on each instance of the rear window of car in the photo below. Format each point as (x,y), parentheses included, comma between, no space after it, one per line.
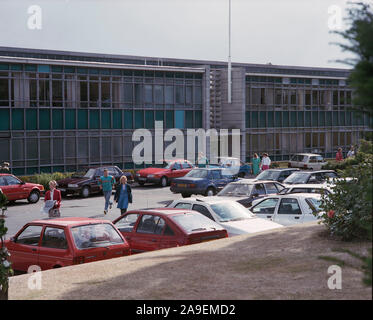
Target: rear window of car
(316,159)
(191,222)
(95,235)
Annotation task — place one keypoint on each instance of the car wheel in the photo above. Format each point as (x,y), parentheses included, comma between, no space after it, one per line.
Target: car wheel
(210,192)
(141,183)
(241,175)
(185,195)
(85,192)
(63,194)
(164,181)
(11,202)
(33,197)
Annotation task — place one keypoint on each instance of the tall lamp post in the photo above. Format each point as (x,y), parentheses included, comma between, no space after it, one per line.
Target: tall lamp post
(229,58)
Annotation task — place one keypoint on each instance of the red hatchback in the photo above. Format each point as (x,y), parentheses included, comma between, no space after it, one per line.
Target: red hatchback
(62,242)
(171,169)
(153,229)
(16,189)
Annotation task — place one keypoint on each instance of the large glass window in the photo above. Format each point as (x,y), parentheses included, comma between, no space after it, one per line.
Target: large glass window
(180,97)
(128,119)
(158,94)
(17,119)
(105,94)
(4,92)
(57,93)
(4,119)
(57,118)
(93,94)
(169,94)
(128,95)
(139,119)
(148,93)
(31,119)
(179,119)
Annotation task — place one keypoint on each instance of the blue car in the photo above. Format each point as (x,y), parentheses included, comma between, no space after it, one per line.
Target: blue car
(233,166)
(204,181)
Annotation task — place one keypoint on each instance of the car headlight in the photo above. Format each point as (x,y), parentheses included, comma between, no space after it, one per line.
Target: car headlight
(151,176)
(72,185)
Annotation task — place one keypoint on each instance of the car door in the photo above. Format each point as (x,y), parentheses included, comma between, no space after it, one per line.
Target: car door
(218,179)
(266,208)
(126,226)
(24,249)
(15,188)
(9,192)
(309,210)
(54,248)
(270,188)
(288,212)
(147,236)
(258,191)
(177,170)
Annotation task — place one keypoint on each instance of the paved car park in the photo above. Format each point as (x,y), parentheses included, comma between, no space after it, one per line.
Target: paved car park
(147,196)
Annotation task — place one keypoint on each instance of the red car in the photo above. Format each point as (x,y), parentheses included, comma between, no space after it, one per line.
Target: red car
(153,229)
(171,169)
(63,242)
(15,189)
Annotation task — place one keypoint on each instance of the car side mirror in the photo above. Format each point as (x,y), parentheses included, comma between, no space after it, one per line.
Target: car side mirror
(256,195)
(12,239)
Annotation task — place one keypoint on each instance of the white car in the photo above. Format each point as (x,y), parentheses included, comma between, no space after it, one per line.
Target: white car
(234,217)
(307,161)
(289,209)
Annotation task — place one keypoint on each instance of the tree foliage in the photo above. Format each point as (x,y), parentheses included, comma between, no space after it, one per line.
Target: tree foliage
(359,38)
(5,266)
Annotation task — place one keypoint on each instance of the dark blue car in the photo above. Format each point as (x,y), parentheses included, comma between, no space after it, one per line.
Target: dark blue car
(205,181)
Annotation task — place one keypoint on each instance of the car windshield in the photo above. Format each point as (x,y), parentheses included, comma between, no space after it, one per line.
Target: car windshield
(197,173)
(268,175)
(89,173)
(297,178)
(236,189)
(231,211)
(192,222)
(167,165)
(314,204)
(316,159)
(95,235)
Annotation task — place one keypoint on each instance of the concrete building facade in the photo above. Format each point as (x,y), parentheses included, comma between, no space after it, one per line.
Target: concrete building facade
(62,111)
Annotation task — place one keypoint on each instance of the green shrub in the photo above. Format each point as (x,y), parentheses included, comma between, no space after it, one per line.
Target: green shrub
(44,178)
(348,211)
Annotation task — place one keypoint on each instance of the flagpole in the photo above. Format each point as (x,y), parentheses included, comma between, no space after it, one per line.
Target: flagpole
(229,59)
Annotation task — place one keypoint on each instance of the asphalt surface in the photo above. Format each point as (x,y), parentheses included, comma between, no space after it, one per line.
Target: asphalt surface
(148,196)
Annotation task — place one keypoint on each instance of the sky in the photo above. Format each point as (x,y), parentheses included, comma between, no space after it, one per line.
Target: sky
(281,32)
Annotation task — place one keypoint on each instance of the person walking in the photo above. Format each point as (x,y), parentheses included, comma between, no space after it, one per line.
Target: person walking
(339,155)
(123,195)
(351,152)
(266,162)
(53,194)
(106,183)
(255,161)
(202,160)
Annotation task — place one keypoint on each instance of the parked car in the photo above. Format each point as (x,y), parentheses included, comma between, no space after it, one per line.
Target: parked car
(278,175)
(308,188)
(289,209)
(204,181)
(232,216)
(63,242)
(16,189)
(87,184)
(304,177)
(153,229)
(310,161)
(245,191)
(163,176)
(233,166)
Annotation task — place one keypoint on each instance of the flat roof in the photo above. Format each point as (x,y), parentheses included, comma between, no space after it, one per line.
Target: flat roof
(113,59)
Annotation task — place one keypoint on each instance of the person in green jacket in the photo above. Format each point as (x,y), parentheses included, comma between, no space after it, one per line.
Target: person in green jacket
(106,183)
(255,164)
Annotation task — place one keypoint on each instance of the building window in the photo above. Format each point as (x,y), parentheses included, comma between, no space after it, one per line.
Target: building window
(180,97)
(105,94)
(105,119)
(31,119)
(139,119)
(128,93)
(57,118)
(117,119)
(82,119)
(44,119)
(94,119)
(4,119)
(17,119)
(148,93)
(4,92)
(149,119)
(128,120)
(179,119)
(169,94)
(158,94)
(70,119)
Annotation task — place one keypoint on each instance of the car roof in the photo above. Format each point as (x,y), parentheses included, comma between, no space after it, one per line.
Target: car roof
(314,171)
(283,169)
(307,154)
(162,211)
(295,195)
(252,181)
(208,168)
(70,221)
(207,200)
(309,186)
(6,174)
